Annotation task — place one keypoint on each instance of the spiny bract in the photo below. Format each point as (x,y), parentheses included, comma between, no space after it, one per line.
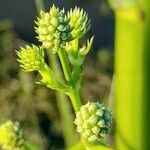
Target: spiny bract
(31,58)
(53,29)
(11,137)
(93,121)
(79,22)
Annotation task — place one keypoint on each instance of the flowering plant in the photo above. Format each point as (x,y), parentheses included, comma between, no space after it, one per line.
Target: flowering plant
(59,33)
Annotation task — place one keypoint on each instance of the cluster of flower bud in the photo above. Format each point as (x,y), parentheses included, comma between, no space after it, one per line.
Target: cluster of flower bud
(78,20)
(31,58)
(93,121)
(53,28)
(11,136)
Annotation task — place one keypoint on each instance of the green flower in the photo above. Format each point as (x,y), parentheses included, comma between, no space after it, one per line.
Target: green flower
(11,137)
(53,29)
(79,22)
(93,121)
(31,58)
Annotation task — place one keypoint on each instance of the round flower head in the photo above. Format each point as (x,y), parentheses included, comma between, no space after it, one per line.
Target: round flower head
(53,29)
(93,121)
(11,137)
(31,58)
(79,22)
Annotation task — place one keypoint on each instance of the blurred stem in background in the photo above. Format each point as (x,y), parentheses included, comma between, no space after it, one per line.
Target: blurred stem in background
(39,5)
(62,101)
(111,102)
(132,61)
(27,86)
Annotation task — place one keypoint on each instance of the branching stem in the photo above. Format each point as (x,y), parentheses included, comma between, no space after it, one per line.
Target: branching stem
(65,64)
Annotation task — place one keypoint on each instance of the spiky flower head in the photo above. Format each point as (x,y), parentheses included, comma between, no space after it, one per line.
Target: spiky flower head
(11,137)
(53,29)
(93,121)
(31,58)
(79,22)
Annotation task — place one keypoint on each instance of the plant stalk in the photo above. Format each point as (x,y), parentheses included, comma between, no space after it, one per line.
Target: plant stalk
(128,81)
(64,108)
(65,64)
(62,103)
(128,75)
(75,99)
(146,77)
(74,93)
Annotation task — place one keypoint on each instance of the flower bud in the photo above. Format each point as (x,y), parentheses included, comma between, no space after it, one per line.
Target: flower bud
(79,22)
(31,58)
(93,121)
(11,136)
(53,29)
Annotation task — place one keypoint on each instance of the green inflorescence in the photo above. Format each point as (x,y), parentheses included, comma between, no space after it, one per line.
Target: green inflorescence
(79,22)
(31,58)
(93,121)
(11,137)
(57,32)
(53,29)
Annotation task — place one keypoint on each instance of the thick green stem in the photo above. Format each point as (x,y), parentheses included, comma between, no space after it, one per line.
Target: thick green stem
(128,76)
(132,67)
(146,72)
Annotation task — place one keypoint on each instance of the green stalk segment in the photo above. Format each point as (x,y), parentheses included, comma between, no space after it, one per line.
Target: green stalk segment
(146,72)
(75,99)
(74,93)
(128,78)
(132,69)
(64,108)
(65,64)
